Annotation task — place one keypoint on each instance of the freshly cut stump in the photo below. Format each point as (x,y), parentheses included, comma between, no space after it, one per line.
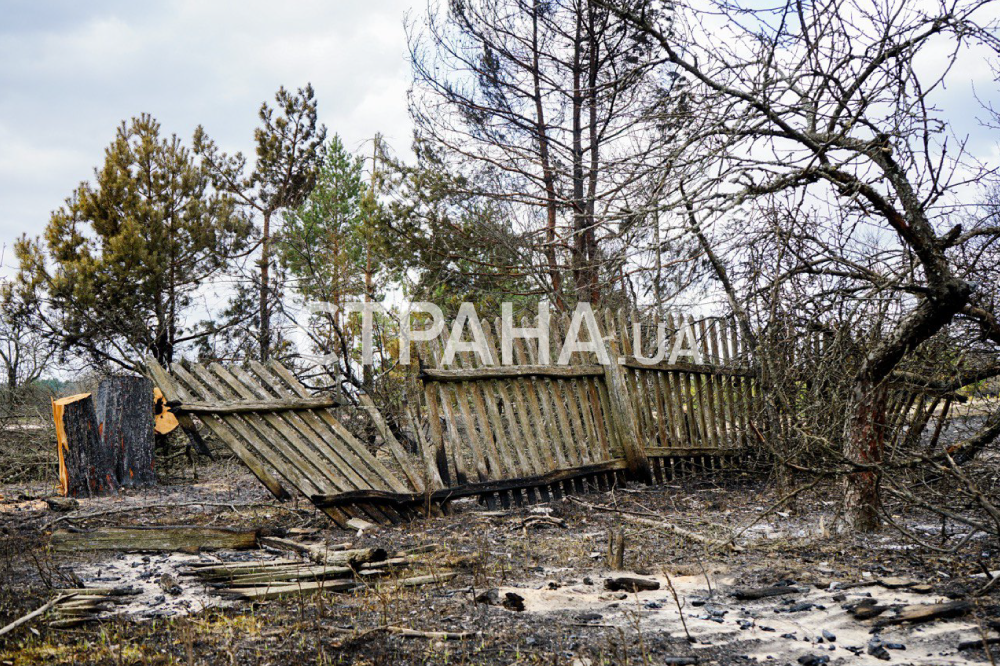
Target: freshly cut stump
(125,420)
(86,465)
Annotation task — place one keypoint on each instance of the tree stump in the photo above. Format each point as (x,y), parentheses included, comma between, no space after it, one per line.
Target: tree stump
(125,419)
(86,464)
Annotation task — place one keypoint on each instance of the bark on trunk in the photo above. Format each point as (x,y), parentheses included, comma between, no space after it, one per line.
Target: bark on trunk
(864,445)
(265,285)
(125,421)
(865,436)
(86,464)
(548,177)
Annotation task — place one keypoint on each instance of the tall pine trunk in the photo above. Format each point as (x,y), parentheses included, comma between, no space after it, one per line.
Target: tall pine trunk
(265,315)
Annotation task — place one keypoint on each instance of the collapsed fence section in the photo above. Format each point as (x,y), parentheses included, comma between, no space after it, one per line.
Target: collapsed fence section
(521,424)
(625,419)
(277,429)
(649,400)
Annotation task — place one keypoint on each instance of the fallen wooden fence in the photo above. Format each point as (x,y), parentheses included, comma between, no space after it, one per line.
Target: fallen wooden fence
(508,434)
(504,429)
(277,429)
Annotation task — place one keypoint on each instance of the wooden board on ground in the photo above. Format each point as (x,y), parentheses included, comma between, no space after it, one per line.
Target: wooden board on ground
(186,538)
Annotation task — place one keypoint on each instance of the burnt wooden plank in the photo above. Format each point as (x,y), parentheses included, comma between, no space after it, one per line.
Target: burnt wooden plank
(468,490)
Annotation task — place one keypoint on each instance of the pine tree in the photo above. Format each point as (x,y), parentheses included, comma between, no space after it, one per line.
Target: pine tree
(289,154)
(321,243)
(122,260)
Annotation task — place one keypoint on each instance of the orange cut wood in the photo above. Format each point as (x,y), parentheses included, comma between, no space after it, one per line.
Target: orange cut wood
(58,407)
(164,420)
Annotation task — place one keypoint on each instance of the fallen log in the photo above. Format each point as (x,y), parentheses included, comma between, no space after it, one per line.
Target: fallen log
(81,609)
(139,539)
(286,575)
(334,554)
(124,409)
(268,592)
(433,635)
(70,623)
(428,579)
(233,568)
(299,547)
(927,612)
(751,594)
(86,464)
(101,591)
(978,643)
(867,609)
(631,584)
(80,516)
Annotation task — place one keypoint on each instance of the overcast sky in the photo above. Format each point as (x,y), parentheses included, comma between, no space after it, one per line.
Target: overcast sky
(72,70)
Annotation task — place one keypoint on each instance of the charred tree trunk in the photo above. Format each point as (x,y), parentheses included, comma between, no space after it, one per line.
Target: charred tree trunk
(125,420)
(86,464)
(865,432)
(864,445)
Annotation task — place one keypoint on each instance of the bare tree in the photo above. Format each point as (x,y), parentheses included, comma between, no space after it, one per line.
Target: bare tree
(24,357)
(543,106)
(825,112)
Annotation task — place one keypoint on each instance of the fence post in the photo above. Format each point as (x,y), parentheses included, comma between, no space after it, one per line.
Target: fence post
(623,417)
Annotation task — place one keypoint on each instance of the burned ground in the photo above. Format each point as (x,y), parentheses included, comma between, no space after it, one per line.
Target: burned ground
(556,567)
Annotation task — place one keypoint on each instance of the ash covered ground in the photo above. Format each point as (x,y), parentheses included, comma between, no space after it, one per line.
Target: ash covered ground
(533,591)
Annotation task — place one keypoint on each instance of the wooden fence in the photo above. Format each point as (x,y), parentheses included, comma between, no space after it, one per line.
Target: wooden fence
(522,433)
(277,429)
(688,413)
(590,424)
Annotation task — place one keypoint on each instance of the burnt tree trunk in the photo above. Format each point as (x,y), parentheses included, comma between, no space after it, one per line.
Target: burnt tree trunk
(86,463)
(864,446)
(865,436)
(125,419)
